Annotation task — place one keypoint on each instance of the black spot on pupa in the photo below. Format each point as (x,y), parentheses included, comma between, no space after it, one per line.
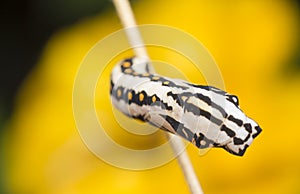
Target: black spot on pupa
(111,86)
(248,127)
(129,60)
(234,99)
(228,131)
(176,98)
(258,129)
(175,124)
(241,151)
(235,120)
(201,141)
(237,141)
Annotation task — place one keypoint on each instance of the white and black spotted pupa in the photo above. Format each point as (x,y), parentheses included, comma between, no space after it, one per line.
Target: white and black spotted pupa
(204,115)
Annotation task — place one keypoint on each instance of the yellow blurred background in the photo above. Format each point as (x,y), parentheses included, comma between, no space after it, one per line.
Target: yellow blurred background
(254,43)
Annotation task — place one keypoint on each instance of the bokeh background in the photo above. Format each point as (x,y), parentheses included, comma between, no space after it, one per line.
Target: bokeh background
(255,43)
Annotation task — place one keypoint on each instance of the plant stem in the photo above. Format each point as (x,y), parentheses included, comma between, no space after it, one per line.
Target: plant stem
(128,21)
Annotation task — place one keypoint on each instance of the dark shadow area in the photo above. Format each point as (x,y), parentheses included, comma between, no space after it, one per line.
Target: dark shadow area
(294,63)
(26,25)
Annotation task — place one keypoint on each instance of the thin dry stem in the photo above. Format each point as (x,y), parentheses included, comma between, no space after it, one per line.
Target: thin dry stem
(127,18)
(128,21)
